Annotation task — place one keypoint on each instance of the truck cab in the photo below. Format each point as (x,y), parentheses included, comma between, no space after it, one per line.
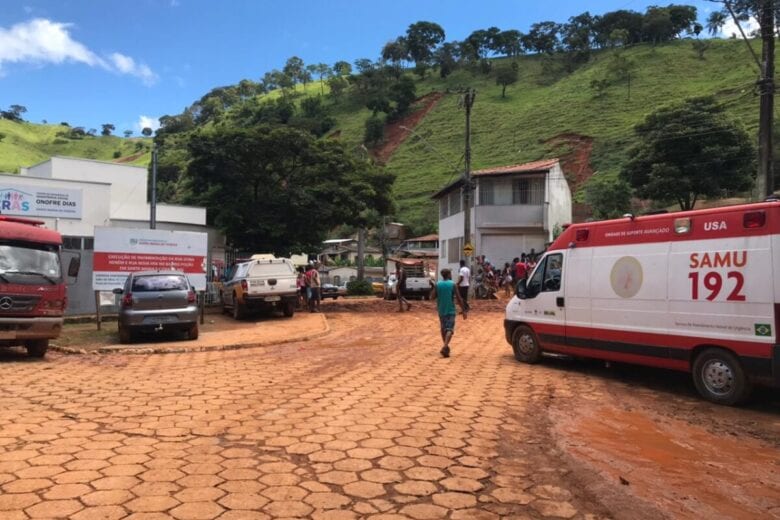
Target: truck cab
(32,287)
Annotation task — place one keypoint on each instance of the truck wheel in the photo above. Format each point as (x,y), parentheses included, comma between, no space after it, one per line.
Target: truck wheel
(289,309)
(720,378)
(192,332)
(238,309)
(526,345)
(125,336)
(36,347)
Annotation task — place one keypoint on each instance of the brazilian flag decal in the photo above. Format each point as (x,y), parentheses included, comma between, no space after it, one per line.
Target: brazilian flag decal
(763,329)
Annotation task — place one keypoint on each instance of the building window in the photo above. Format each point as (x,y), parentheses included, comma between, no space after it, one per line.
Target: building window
(443,249)
(89,243)
(455,202)
(486,195)
(528,191)
(444,208)
(71,243)
(455,245)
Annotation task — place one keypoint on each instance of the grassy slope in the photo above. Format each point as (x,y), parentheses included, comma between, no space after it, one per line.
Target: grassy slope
(505,131)
(26,144)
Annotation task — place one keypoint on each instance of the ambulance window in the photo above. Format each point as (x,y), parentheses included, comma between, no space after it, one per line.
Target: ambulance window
(552,273)
(534,286)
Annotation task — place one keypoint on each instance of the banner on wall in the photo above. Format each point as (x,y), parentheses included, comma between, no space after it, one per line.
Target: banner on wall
(36,201)
(120,251)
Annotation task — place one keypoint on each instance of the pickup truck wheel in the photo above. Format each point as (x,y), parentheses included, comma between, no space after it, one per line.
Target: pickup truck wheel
(525,345)
(192,333)
(125,336)
(36,347)
(719,377)
(289,309)
(238,309)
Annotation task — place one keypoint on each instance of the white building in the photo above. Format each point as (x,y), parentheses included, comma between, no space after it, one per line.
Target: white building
(83,193)
(515,209)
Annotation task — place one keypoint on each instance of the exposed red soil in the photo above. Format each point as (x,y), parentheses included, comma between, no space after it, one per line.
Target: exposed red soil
(129,158)
(395,135)
(575,161)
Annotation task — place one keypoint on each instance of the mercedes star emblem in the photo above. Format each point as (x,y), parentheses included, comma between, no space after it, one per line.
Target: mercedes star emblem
(6,303)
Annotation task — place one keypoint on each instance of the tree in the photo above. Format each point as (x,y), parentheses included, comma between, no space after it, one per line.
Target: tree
(510,43)
(337,86)
(700,47)
(14,113)
(715,22)
(689,151)
(323,71)
(421,40)
(342,68)
(621,20)
(146,132)
(294,69)
(608,198)
(446,57)
(374,132)
(506,76)
(92,132)
(107,129)
(127,133)
(543,38)
(267,172)
(2,136)
(395,52)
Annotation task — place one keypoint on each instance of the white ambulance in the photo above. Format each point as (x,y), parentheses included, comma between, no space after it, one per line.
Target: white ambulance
(696,291)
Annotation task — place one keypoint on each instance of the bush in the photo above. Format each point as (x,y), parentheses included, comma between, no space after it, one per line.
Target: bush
(117,154)
(59,140)
(375,131)
(360,287)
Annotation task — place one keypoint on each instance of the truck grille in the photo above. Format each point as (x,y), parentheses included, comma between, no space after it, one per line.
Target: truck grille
(17,303)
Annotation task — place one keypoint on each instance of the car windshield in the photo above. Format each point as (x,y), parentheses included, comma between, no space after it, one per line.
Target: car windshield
(27,264)
(159,282)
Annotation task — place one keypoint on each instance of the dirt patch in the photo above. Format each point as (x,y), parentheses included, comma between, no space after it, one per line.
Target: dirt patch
(574,151)
(130,158)
(395,135)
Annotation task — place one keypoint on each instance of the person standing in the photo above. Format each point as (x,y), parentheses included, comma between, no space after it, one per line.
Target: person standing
(445,294)
(313,278)
(400,287)
(464,280)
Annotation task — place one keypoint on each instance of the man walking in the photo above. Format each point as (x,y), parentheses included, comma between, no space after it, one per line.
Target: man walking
(445,294)
(400,287)
(464,280)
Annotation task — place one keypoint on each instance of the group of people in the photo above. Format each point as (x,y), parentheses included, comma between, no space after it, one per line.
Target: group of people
(309,288)
(490,279)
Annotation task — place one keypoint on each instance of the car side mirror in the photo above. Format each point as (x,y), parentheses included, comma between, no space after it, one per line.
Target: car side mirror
(118,291)
(521,290)
(74,266)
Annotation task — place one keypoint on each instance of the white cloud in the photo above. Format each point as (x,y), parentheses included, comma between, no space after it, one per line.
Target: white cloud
(127,65)
(43,41)
(730,29)
(147,122)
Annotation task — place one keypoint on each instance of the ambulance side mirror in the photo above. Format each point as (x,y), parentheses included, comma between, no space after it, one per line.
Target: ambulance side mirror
(521,289)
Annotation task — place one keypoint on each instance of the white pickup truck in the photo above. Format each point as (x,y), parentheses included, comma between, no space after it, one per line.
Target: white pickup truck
(264,283)
(417,279)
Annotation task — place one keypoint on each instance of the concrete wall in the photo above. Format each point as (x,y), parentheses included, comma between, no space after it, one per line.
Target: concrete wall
(559,206)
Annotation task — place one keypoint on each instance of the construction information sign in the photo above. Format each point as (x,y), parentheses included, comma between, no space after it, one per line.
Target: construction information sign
(120,251)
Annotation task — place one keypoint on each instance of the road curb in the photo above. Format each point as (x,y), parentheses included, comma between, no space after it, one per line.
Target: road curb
(163,349)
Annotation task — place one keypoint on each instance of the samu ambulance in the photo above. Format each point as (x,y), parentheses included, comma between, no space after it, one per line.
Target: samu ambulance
(695,291)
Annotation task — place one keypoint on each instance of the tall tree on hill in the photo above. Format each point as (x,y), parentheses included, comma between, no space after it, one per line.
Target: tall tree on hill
(657,25)
(689,151)
(543,38)
(266,172)
(294,69)
(446,58)
(510,43)
(14,113)
(505,76)
(107,128)
(323,71)
(577,35)
(715,22)
(127,133)
(621,20)
(342,68)
(421,39)
(146,132)
(395,52)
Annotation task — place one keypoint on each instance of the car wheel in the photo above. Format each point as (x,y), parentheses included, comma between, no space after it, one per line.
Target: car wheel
(36,348)
(238,309)
(125,336)
(192,333)
(526,345)
(719,377)
(289,309)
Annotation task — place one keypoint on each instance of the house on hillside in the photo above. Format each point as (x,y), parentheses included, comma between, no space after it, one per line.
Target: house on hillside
(419,247)
(345,250)
(515,209)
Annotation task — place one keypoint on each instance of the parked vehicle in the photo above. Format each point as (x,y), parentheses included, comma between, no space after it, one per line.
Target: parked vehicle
(695,291)
(332,291)
(157,301)
(32,289)
(391,287)
(263,283)
(417,282)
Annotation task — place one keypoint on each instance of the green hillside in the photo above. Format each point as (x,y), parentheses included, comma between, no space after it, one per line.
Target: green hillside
(545,114)
(26,144)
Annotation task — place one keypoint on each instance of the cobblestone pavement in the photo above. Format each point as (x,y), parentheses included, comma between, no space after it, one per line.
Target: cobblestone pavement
(368,422)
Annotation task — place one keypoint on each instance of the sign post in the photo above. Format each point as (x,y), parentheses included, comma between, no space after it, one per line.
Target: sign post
(468,249)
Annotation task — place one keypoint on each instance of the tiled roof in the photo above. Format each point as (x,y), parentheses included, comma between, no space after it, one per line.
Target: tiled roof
(517,168)
(425,238)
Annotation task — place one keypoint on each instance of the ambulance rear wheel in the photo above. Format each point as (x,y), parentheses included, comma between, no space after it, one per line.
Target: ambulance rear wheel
(720,378)
(525,345)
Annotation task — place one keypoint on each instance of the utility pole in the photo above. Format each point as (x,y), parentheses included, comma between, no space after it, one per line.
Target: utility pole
(468,102)
(361,269)
(766,88)
(153,201)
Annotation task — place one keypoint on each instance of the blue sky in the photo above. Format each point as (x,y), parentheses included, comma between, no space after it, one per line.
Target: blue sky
(90,62)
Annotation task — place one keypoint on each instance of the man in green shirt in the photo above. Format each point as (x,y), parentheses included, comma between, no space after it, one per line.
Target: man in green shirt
(445,294)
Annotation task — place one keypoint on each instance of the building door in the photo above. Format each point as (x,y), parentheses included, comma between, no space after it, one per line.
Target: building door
(500,249)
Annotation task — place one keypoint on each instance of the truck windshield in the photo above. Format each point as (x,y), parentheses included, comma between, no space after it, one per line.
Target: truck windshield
(27,264)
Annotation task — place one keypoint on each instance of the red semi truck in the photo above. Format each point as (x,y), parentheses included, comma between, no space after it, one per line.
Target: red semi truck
(32,285)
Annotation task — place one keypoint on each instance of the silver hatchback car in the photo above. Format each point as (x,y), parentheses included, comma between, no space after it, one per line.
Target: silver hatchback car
(156,301)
